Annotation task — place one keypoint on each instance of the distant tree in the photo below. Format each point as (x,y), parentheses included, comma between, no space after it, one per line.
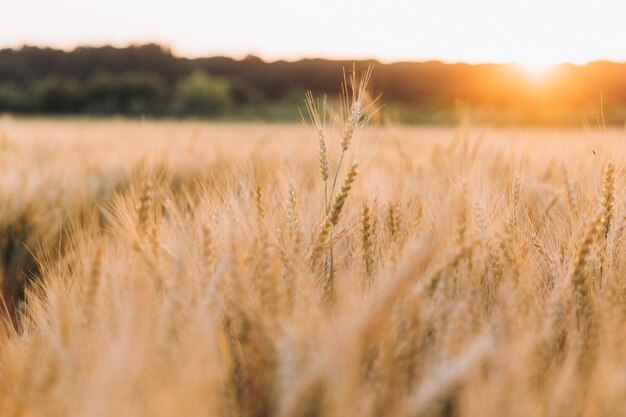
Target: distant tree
(13,98)
(202,95)
(102,95)
(54,94)
(130,93)
(141,93)
(245,93)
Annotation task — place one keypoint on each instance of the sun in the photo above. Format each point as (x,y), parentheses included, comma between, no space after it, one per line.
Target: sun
(535,68)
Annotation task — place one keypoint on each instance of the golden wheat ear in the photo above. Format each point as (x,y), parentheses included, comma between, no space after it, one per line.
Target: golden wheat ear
(607,198)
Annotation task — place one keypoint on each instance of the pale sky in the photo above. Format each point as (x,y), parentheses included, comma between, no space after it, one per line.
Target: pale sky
(532,32)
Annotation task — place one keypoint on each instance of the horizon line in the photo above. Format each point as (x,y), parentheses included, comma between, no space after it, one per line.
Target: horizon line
(291,58)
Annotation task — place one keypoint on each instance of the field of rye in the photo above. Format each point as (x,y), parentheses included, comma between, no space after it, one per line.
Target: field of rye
(337,268)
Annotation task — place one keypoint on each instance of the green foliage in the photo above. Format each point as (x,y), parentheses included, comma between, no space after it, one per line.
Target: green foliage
(245,93)
(13,98)
(102,94)
(54,94)
(202,95)
(132,93)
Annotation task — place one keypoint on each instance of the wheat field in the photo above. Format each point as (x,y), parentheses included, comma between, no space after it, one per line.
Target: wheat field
(155,268)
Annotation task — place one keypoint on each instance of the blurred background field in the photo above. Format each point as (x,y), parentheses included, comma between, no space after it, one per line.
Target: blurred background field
(182,267)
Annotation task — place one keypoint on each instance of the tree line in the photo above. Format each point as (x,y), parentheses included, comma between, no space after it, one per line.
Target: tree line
(149,79)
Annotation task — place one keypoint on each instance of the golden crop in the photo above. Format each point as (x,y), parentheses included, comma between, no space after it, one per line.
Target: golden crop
(196,269)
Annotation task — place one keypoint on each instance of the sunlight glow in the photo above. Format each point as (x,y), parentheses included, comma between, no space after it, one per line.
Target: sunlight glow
(535,70)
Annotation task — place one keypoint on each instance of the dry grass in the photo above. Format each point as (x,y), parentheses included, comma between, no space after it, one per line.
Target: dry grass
(190,269)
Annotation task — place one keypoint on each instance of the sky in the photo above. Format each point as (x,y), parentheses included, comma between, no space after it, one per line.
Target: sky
(534,33)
